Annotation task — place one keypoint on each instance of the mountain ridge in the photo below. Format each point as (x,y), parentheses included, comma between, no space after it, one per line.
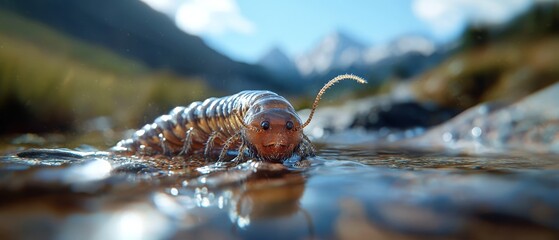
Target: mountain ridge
(133,29)
(335,50)
(280,64)
(339,52)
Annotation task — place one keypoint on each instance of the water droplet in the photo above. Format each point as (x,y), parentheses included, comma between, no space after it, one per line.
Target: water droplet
(205,202)
(447,137)
(476,131)
(243,222)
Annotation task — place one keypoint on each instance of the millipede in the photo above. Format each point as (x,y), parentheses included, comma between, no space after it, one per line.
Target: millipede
(257,124)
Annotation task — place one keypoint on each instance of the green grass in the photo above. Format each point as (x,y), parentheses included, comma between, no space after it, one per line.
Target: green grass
(58,44)
(500,71)
(53,76)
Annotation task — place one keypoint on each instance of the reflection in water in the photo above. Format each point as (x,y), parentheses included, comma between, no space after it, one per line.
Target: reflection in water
(271,198)
(133,221)
(96,169)
(253,197)
(345,193)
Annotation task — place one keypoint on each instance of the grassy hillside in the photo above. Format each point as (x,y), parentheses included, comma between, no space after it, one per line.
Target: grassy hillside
(498,63)
(132,29)
(503,71)
(49,81)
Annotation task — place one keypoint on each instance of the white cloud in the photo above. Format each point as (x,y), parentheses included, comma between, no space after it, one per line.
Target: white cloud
(447,16)
(201,17)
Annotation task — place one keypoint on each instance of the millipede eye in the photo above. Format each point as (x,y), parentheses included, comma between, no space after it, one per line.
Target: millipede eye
(289,125)
(265,125)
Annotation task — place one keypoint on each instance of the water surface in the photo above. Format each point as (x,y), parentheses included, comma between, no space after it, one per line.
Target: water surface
(346,192)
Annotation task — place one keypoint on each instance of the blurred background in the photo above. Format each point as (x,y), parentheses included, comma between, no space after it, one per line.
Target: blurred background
(75,67)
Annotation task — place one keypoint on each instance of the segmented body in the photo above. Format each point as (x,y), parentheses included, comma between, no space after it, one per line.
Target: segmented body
(260,124)
(203,128)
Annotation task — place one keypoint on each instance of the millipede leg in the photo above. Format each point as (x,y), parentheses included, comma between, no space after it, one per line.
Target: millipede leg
(164,147)
(210,145)
(186,143)
(226,146)
(241,156)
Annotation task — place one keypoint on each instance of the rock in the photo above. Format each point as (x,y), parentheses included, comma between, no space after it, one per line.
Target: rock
(531,124)
(335,119)
(403,115)
(386,118)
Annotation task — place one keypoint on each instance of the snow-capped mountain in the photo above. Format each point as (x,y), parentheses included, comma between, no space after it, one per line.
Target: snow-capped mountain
(335,51)
(398,47)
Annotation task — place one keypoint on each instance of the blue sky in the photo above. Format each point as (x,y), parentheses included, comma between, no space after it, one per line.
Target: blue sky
(245,29)
(297,25)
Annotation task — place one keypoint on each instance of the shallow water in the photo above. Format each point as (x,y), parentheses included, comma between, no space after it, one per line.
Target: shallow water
(346,192)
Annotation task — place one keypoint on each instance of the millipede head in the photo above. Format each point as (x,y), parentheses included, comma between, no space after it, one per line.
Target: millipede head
(272,129)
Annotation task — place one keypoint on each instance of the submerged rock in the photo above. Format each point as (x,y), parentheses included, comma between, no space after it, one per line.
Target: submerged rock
(531,124)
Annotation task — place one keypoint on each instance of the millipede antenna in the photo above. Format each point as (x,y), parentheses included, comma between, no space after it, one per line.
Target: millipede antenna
(326,86)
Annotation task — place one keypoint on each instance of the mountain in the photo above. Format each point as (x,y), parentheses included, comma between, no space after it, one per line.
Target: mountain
(132,29)
(277,62)
(338,53)
(407,44)
(335,51)
(404,57)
